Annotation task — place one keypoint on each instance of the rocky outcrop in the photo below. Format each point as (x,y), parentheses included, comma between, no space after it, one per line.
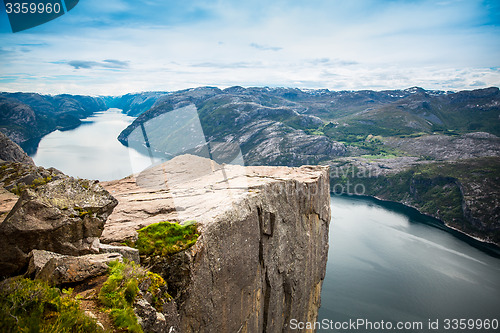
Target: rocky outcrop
(64,215)
(261,257)
(11,152)
(128,253)
(61,270)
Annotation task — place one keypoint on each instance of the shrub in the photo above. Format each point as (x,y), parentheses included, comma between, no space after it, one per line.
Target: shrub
(34,306)
(118,294)
(121,288)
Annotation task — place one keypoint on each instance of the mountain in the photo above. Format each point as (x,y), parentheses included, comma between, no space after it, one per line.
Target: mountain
(267,131)
(423,112)
(27,117)
(420,143)
(397,133)
(134,104)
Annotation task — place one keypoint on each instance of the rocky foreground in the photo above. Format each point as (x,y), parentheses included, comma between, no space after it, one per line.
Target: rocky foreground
(259,261)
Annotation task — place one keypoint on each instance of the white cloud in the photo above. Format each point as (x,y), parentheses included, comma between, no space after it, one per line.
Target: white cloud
(352,45)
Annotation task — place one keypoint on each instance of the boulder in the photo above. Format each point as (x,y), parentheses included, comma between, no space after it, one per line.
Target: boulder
(149,319)
(38,259)
(127,252)
(70,269)
(65,216)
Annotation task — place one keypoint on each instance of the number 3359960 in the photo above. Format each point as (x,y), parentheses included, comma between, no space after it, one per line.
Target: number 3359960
(32,8)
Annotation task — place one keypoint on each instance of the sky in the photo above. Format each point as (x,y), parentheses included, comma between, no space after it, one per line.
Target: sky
(114,47)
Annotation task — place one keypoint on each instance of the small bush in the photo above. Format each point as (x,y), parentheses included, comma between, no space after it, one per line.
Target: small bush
(166,238)
(118,294)
(34,306)
(120,290)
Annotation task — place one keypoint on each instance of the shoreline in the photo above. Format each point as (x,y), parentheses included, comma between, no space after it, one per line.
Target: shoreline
(485,246)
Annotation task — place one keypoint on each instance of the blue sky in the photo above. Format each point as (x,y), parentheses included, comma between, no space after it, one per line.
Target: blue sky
(120,46)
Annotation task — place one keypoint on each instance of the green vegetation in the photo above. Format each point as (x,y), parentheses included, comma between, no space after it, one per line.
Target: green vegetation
(20,187)
(122,287)
(81,212)
(34,306)
(118,294)
(166,238)
(372,146)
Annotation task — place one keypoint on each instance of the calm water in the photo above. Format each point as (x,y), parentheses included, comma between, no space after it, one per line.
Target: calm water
(92,150)
(385,263)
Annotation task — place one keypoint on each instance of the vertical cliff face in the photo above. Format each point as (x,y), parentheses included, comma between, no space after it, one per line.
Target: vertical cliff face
(261,265)
(261,257)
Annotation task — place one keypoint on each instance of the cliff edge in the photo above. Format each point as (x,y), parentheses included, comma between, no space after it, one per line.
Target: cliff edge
(261,256)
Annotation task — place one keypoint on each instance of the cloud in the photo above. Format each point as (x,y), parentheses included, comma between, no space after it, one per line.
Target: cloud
(331,62)
(478,84)
(265,47)
(112,63)
(108,63)
(216,65)
(361,44)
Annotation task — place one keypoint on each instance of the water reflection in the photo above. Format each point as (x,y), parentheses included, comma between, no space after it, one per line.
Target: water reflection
(387,263)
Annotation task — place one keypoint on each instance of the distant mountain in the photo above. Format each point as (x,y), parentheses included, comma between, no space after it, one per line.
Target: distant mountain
(134,104)
(414,146)
(268,131)
(424,112)
(26,117)
(325,122)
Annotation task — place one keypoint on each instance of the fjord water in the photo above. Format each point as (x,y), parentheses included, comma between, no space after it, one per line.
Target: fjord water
(92,150)
(384,263)
(387,263)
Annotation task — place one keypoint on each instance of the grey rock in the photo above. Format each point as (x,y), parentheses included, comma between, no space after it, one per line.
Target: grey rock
(15,176)
(65,216)
(38,259)
(10,151)
(70,269)
(261,257)
(150,319)
(127,252)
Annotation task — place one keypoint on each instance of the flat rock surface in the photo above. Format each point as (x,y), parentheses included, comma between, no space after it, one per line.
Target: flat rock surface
(7,202)
(188,188)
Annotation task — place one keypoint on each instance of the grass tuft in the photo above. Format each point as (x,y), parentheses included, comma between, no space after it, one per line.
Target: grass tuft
(166,238)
